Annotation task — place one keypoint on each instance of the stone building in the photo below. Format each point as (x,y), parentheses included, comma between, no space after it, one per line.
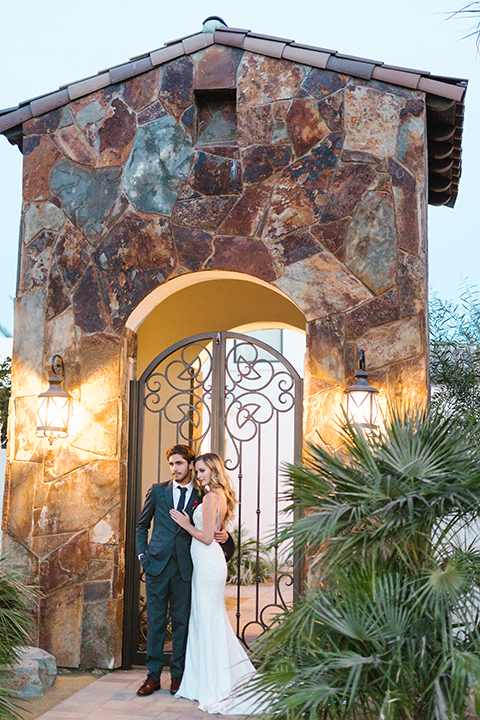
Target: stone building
(227,181)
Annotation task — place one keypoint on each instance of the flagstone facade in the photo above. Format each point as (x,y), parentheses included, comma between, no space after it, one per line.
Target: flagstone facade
(309,179)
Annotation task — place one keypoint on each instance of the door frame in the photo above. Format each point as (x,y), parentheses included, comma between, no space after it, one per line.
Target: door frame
(134,498)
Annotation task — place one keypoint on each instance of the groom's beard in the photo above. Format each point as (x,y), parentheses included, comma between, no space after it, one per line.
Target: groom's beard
(181,477)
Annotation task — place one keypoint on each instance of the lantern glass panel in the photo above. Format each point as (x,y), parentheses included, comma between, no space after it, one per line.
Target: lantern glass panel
(53,413)
(362,407)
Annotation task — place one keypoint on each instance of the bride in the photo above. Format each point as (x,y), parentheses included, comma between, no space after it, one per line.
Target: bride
(215,662)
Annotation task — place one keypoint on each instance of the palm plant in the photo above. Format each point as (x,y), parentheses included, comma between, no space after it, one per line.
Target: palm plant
(251,567)
(388,627)
(455,352)
(471,11)
(15,625)
(5,392)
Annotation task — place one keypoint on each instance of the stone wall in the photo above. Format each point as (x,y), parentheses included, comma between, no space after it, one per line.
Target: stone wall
(310,180)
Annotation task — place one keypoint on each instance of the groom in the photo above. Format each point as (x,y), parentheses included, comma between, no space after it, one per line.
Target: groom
(168,566)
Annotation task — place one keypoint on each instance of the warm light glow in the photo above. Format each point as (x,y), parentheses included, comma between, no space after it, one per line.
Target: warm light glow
(54,406)
(362,407)
(53,413)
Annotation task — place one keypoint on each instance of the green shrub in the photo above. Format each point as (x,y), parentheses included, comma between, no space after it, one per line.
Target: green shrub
(16,601)
(455,353)
(249,570)
(5,390)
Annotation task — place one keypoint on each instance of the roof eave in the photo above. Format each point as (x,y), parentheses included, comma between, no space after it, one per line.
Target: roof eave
(450,91)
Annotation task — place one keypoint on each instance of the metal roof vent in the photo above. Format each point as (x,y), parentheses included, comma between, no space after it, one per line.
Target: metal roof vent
(212,23)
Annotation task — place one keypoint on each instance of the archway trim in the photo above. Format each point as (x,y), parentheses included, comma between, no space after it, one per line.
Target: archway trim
(163,291)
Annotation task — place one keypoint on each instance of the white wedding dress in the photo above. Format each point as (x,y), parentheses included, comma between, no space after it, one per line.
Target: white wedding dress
(215,661)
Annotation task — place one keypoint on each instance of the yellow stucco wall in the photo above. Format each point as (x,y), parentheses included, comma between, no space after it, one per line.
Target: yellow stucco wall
(216,305)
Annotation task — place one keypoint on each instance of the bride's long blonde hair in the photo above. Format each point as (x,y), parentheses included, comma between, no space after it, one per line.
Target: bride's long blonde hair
(218,478)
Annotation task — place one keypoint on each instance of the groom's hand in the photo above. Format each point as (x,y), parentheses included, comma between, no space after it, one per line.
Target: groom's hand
(221,535)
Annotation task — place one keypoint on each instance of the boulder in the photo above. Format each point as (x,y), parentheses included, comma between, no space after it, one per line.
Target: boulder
(34,672)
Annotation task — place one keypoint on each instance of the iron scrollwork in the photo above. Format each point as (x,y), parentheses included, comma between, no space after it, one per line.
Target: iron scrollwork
(182,393)
(262,622)
(255,389)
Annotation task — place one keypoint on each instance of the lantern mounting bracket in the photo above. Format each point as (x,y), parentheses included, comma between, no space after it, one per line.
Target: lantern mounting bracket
(361,359)
(58,368)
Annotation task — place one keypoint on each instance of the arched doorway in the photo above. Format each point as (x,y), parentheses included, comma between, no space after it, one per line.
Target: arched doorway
(241,398)
(234,394)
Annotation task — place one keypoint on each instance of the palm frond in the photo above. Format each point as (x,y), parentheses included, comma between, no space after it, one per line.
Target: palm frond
(389,627)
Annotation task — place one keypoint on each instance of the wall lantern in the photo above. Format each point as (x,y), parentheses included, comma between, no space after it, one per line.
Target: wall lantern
(362,405)
(54,405)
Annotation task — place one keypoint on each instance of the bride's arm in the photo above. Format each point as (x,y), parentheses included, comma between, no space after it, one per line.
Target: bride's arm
(209,509)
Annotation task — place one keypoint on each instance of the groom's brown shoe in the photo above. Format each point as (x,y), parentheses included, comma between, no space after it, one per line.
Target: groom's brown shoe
(174,685)
(149,686)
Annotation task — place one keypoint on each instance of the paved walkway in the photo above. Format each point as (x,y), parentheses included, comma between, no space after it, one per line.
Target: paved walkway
(113,697)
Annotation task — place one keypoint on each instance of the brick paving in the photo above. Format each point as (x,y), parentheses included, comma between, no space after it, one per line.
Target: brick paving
(113,697)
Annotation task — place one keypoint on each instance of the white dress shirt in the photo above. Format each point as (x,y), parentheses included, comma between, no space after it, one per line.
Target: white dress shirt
(176,493)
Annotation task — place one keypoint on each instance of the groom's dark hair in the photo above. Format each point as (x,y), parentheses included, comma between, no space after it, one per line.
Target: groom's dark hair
(183,450)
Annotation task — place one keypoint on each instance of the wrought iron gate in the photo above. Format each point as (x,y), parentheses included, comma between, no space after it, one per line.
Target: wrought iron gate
(236,396)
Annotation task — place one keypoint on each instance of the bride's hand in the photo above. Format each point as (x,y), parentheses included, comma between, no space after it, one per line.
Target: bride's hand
(181,518)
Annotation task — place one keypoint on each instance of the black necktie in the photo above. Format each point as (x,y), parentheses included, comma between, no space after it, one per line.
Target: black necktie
(181,502)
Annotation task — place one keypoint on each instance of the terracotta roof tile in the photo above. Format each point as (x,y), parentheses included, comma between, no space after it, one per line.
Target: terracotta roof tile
(123,72)
(90,85)
(270,38)
(20,115)
(363,60)
(306,57)
(180,39)
(441,88)
(273,48)
(236,30)
(233,39)
(405,69)
(49,102)
(350,67)
(197,42)
(444,95)
(5,111)
(165,54)
(315,49)
(396,77)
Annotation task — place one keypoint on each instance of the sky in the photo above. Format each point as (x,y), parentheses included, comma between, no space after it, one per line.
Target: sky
(54,42)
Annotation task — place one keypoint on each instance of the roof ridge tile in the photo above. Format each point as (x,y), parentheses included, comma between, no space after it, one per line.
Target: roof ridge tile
(313,47)
(89,85)
(404,69)
(306,57)
(272,38)
(358,59)
(181,39)
(194,43)
(275,48)
(229,39)
(11,119)
(226,29)
(356,68)
(169,52)
(128,70)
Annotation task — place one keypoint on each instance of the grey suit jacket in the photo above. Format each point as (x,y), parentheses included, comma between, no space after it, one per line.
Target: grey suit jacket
(167,537)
